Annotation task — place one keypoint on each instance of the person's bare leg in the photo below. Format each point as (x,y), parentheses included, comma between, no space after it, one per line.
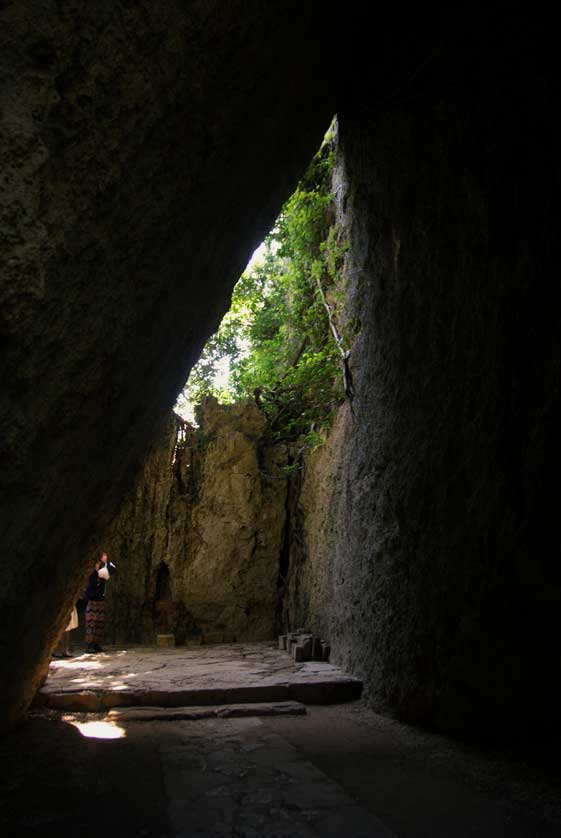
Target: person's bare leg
(66,645)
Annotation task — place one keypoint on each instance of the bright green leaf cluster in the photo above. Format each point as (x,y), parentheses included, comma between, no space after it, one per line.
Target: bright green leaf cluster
(276,337)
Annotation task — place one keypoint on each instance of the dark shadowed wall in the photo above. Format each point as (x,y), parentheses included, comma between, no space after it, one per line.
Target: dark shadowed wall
(146,149)
(430,518)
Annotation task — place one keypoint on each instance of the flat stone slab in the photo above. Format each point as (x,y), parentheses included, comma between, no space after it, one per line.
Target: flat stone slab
(191,676)
(221,711)
(235,777)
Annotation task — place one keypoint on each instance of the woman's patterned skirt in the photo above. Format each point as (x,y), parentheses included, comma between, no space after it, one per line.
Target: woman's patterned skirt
(95,621)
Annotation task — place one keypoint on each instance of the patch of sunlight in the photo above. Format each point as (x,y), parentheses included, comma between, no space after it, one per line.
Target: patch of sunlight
(97,730)
(86,679)
(83,665)
(259,254)
(221,378)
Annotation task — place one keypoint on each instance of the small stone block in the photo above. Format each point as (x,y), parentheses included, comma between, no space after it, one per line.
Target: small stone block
(298,653)
(282,641)
(165,639)
(326,651)
(291,641)
(306,643)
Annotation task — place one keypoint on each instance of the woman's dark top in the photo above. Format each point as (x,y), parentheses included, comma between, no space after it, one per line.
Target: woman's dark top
(96,586)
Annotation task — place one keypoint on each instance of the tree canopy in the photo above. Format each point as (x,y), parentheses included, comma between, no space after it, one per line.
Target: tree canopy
(279,341)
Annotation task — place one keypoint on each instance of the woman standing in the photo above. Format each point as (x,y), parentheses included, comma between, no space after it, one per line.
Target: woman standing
(95,609)
(63,648)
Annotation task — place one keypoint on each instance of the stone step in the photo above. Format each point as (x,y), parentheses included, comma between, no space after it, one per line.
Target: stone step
(307,692)
(206,676)
(221,711)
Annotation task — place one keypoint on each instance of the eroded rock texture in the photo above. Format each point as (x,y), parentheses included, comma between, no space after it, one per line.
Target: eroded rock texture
(146,149)
(197,543)
(427,547)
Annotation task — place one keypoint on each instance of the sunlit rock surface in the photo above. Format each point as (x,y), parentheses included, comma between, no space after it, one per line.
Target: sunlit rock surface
(192,676)
(198,541)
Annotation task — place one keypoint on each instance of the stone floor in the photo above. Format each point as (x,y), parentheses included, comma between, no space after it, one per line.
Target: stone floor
(186,676)
(257,767)
(339,771)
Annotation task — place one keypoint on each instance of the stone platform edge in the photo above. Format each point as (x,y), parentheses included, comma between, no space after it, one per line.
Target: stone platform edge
(220,711)
(95,701)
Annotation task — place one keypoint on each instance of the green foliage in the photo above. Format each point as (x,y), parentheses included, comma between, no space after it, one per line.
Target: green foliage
(276,336)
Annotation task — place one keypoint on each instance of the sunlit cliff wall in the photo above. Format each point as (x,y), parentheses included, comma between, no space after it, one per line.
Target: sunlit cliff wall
(197,542)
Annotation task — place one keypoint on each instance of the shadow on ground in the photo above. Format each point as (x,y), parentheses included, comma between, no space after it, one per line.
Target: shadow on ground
(55,781)
(338,772)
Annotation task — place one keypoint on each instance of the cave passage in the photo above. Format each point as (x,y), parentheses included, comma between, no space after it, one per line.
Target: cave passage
(389,482)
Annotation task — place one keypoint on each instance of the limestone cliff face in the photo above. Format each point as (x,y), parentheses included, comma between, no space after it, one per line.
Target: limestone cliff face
(427,547)
(198,541)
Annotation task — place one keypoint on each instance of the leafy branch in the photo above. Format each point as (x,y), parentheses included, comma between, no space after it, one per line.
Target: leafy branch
(280,339)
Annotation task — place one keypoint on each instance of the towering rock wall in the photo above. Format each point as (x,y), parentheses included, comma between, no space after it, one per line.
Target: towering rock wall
(427,550)
(145,150)
(198,541)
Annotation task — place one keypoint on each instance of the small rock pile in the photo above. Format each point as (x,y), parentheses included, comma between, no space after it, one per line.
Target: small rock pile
(305,646)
